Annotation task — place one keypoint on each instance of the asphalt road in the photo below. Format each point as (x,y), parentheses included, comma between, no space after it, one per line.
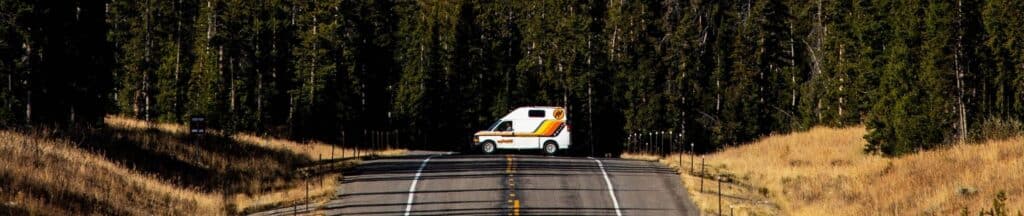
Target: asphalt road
(507,184)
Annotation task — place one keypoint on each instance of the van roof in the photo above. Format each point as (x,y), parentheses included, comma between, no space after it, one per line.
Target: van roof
(539,107)
(523,112)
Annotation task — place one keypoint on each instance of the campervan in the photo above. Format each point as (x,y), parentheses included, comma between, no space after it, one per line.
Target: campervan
(527,128)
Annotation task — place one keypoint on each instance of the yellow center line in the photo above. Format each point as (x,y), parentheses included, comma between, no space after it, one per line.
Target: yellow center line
(515,208)
(510,169)
(508,166)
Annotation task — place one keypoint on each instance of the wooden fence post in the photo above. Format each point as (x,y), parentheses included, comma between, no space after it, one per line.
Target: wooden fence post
(701,174)
(719,179)
(693,158)
(343,144)
(681,150)
(306,206)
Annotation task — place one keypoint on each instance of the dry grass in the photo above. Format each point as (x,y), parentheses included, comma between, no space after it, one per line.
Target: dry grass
(824,172)
(273,191)
(162,171)
(311,150)
(131,123)
(54,177)
(319,189)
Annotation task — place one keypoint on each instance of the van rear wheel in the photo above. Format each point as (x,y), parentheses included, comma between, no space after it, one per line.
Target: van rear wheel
(550,147)
(488,147)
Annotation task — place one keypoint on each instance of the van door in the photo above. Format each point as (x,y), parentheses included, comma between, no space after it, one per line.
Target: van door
(505,141)
(524,134)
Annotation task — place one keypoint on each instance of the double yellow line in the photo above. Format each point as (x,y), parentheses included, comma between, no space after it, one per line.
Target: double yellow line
(510,170)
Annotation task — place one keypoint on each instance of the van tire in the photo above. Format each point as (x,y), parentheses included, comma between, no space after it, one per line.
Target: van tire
(550,147)
(488,147)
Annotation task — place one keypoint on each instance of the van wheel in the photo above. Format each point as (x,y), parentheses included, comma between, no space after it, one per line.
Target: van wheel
(550,147)
(488,147)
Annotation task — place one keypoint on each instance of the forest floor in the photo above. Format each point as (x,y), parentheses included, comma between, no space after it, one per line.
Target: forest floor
(824,171)
(133,167)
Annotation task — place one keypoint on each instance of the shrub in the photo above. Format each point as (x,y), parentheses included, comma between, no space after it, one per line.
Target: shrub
(998,206)
(995,128)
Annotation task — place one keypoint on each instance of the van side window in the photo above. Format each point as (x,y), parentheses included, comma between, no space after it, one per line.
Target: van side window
(536,113)
(504,126)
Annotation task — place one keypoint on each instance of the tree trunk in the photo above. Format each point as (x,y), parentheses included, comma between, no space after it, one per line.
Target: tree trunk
(590,113)
(28,83)
(841,83)
(232,91)
(960,74)
(10,88)
(146,62)
(792,63)
(177,65)
(312,67)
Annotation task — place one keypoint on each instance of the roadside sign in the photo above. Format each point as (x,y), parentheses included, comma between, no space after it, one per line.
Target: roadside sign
(197,126)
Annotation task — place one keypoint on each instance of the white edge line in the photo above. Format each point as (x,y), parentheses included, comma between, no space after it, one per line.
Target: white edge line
(412,188)
(611,190)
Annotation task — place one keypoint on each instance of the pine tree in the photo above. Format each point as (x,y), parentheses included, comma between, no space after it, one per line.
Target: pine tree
(869,32)
(1005,59)
(173,72)
(777,75)
(14,61)
(937,75)
(898,122)
(632,36)
(918,74)
(316,69)
(205,82)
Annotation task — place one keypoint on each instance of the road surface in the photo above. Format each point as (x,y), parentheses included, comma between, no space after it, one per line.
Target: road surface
(506,184)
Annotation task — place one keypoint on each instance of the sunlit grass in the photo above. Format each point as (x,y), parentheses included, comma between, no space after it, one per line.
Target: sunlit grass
(93,171)
(824,171)
(39,173)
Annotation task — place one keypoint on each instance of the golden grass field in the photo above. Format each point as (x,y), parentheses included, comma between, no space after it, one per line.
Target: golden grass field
(311,150)
(134,167)
(36,170)
(824,171)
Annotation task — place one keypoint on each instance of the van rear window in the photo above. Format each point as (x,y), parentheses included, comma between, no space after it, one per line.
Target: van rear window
(536,114)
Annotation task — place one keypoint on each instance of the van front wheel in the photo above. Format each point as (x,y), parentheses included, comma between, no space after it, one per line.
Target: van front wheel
(488,147)
(550,147)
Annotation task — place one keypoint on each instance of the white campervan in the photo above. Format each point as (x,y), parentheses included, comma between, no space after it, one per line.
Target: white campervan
(527,128)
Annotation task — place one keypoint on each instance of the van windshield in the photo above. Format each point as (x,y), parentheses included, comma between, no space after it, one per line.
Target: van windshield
(503,126)
(494,125)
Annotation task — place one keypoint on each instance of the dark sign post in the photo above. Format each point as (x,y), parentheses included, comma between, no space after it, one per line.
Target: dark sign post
(196,129)
(197,126)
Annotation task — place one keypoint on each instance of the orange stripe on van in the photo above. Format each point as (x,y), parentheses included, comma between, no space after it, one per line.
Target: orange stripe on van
(548,127)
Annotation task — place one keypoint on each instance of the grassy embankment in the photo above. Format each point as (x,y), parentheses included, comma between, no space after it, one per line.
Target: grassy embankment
(132,167)
(824,171)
